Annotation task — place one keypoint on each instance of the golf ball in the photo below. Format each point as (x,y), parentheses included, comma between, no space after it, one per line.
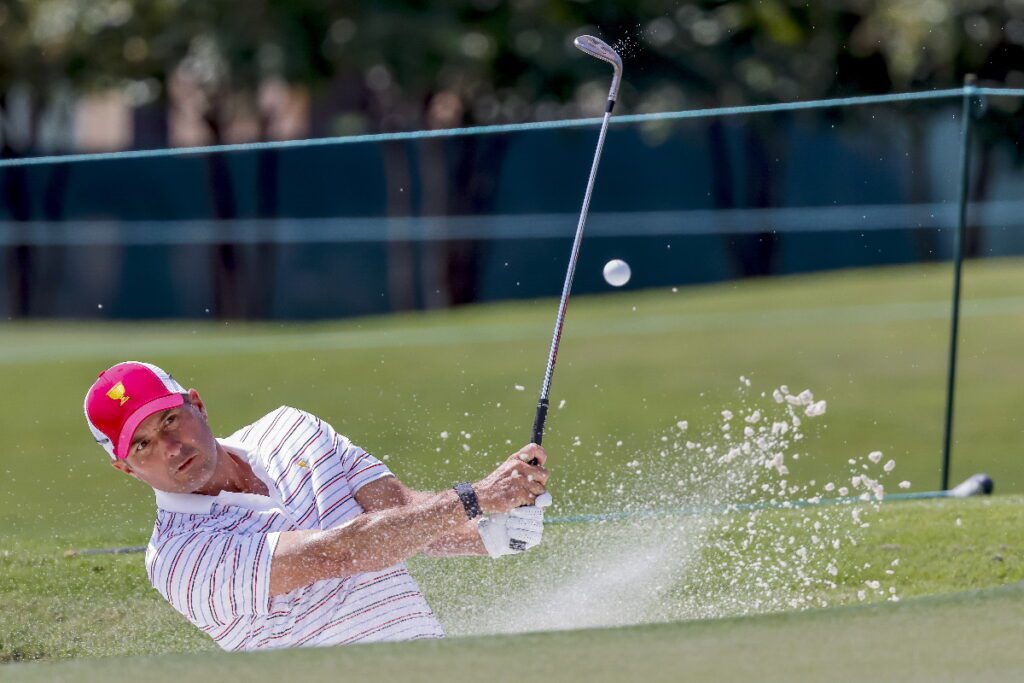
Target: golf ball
(616,272)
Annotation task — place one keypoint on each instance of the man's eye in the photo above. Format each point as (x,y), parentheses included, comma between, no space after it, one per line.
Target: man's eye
(171,418)
(142,445)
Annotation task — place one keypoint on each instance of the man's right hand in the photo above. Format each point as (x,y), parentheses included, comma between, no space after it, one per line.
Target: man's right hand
(515,483)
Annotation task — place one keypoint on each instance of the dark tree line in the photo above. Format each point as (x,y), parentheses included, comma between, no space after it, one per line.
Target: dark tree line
(389,65)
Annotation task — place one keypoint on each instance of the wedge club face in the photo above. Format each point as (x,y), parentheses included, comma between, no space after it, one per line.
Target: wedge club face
(595,47)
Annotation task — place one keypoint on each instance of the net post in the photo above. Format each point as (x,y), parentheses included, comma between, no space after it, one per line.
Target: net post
(969,95)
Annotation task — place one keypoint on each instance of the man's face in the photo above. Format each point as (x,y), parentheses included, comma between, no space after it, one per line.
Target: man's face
(173,450)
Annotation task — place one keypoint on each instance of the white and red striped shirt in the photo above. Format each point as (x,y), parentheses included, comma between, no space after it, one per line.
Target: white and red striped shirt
(209,556)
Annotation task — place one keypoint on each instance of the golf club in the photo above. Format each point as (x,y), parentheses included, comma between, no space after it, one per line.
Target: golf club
(595,47)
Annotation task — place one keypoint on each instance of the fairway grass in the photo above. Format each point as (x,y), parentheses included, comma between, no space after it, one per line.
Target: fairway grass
(442,396)
(59,607)
(972,636)
(873,343)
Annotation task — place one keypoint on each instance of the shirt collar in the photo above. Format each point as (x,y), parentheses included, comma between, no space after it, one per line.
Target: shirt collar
(197,504)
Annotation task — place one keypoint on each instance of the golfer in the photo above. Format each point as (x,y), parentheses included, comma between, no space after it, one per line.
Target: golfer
(286,533)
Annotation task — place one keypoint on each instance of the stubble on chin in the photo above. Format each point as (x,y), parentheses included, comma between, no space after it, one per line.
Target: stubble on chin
(199,473)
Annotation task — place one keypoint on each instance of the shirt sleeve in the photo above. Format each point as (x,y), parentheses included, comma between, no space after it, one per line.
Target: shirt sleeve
(214,577)
(363,467)
(359,466)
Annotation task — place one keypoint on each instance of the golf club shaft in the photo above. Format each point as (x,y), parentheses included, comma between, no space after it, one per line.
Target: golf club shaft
(556,338)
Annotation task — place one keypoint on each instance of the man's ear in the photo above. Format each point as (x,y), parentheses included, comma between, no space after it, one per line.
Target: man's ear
(195,400)
(123,466)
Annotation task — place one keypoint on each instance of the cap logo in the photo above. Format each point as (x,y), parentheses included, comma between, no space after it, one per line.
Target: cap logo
(116,393)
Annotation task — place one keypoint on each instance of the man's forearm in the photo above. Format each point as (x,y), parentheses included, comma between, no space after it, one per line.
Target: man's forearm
(398,524)
(389,492)
(370,542)
(463,539)
(376,540)
(460,540)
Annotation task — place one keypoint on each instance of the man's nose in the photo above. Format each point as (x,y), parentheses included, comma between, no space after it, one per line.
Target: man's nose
(171,444)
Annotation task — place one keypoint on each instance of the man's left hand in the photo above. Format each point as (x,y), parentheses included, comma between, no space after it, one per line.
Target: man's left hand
(515,531)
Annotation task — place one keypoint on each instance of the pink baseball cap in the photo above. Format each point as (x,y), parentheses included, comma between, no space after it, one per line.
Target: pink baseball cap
(122,398)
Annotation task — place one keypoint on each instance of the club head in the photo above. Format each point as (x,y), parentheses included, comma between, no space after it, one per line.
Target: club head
(595,47)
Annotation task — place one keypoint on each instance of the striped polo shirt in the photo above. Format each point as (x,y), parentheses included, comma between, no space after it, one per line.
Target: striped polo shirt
(209,556)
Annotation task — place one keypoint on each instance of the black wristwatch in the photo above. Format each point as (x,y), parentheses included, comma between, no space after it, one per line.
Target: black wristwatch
(468,497)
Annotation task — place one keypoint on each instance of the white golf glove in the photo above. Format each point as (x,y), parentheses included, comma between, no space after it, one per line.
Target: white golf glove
(515,531)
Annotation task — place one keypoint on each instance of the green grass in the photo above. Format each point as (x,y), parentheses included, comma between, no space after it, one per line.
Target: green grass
(58,607)
(973,636)
(873,343)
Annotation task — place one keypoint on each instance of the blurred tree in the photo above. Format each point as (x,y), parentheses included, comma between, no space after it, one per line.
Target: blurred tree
(217,60)
(223,60)
(402,65)
(14,39)
(38,73)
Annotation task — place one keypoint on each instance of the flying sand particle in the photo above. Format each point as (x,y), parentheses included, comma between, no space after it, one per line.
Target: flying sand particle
(816,409)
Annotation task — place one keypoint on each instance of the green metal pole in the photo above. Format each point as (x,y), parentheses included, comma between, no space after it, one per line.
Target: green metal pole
(958,259)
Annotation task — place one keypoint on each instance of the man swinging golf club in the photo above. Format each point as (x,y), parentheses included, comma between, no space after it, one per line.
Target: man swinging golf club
(287,534)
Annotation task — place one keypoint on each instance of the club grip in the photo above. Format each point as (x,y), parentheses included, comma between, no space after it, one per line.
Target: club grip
(538,424)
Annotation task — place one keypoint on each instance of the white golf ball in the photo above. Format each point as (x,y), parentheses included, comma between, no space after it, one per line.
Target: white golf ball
(617,272)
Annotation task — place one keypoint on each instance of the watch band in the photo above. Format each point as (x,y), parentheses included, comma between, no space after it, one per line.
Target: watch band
(468,497)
